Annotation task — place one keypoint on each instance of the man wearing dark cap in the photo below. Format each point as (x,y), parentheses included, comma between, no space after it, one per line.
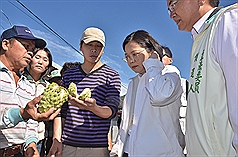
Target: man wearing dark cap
(17,107)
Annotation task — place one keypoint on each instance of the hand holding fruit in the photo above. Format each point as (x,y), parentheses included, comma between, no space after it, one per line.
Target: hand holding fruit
(86,93)
(54,96)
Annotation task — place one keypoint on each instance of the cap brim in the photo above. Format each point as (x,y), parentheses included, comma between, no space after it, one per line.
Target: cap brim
(39,43)
(93,39)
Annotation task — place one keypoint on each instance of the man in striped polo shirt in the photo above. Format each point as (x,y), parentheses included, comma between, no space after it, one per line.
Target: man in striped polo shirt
(16,93)
(86,123)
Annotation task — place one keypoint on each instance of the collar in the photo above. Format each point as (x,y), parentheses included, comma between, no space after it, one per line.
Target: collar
(30,78)
(198,26)
(4,68)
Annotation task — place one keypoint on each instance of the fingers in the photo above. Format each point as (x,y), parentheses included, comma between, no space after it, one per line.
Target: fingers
(32,151)
(90,100)
(59,154)
(30,109)
(78,103)
(46,116)
(154,55)
(56,149)
(74,101)
(70,97)
(35,101)
(29,152)
(56,113)
(51,154)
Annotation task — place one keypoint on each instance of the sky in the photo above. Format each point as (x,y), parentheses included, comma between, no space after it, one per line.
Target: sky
(117,18)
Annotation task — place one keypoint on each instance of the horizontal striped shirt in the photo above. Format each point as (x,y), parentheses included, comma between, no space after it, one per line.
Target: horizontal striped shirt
(82,127)
(14,95)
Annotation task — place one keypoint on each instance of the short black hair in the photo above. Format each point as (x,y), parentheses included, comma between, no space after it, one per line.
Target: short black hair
(167,52)
(214,3)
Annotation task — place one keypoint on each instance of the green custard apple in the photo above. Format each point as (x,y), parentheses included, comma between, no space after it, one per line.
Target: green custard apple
(86,93)
(73,90)
(53,96)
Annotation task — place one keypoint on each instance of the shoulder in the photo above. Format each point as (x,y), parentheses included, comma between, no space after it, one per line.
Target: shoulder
(72,70)
(229,13)
(231,7)
(109,70)
(171,68)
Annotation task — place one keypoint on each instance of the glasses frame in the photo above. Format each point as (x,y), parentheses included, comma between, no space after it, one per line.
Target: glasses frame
(25,46)
(172,6)
(134,55)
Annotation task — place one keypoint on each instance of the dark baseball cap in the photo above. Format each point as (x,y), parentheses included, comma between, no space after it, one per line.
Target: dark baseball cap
(24,33)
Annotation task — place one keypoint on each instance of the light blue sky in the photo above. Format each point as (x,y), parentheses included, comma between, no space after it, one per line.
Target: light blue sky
(117,19)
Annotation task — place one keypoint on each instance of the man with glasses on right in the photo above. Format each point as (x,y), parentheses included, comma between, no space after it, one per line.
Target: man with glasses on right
(212,111)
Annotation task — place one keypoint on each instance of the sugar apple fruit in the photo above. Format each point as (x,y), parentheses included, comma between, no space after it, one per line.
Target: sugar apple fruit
(86,93)
(53,96)
(73,90)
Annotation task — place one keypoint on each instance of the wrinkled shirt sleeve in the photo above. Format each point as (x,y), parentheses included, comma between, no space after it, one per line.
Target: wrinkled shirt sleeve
(163,88)
(10,117)
(225,50)
(31,132)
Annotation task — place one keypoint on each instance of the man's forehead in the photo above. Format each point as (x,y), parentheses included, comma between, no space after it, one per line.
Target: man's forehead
(26,40)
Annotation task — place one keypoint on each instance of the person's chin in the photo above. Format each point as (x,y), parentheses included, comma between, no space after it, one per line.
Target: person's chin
(137,71)
(24,65)
(180,28)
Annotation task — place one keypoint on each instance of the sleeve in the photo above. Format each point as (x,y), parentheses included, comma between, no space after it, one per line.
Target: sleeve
(225,49)
(63,111)
(113,94)
(64,108)
(114,150)
(31,134)
(122,135)
(163,88)
(11,117)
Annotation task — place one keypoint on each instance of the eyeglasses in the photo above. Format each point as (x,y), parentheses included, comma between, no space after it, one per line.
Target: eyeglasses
(26,45)
(172,6)
(135,55)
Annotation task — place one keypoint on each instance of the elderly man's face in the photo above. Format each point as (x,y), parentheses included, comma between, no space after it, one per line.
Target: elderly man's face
(185,13)
(19,52)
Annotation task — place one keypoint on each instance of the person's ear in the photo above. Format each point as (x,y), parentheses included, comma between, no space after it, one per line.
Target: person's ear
(201,2)
(5,43)
(80,45)
(170,60)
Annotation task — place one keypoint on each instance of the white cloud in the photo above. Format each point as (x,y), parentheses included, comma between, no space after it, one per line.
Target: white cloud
(60,53)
